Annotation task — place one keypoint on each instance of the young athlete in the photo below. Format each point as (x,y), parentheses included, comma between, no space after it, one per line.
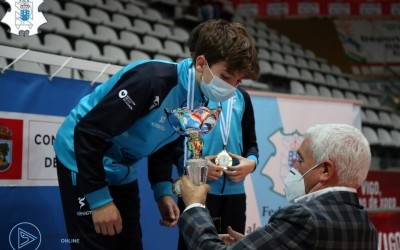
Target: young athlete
(122,121)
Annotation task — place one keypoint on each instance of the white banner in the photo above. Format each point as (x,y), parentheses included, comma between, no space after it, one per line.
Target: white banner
(37,155)
(280,125)
(374,42)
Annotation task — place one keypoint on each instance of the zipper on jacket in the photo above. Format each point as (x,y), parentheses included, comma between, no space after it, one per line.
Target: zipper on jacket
(223,184)
(73,178)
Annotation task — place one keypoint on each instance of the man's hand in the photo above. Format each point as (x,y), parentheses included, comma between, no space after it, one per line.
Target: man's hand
(191,193)
(214,171)
(240,171)
(231,237)
(169,211)
(107,220)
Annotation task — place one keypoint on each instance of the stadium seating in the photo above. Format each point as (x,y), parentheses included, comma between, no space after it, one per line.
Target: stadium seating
(325,91)
(297,88)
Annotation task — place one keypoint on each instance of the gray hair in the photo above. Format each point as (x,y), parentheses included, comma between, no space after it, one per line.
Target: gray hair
(346,146)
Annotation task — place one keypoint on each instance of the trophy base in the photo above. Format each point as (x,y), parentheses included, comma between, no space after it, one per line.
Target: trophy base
(196,169)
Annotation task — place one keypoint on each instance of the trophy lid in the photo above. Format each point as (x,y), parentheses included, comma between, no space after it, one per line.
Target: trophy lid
(187,121)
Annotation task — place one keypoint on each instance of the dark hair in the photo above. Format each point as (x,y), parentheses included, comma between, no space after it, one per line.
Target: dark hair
(219,40)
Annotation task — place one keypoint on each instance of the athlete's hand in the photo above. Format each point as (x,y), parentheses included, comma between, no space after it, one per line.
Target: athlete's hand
(214,171)
(240,171)
(107,220)
(169,211)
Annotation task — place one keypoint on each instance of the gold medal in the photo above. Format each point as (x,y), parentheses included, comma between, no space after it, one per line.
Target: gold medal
(223,159)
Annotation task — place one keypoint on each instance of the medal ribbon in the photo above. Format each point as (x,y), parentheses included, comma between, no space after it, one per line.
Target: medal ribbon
(226,124)
(190,89)
(189,103)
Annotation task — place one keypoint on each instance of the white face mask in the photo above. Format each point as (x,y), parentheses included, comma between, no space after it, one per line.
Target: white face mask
(294,184)
(217,90)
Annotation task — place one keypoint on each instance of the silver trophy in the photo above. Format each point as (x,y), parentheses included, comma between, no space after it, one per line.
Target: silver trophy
(193,124)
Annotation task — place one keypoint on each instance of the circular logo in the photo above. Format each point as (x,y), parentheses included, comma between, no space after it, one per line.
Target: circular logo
(25,235)
(123,93)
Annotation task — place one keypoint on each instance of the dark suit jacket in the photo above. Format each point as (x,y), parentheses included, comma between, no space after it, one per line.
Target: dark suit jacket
(334,220)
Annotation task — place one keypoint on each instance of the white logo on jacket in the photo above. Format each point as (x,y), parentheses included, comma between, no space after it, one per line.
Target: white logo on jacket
(156,103)
(123,94)
(81,202)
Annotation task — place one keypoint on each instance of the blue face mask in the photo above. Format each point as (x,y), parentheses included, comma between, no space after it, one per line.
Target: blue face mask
(217,90)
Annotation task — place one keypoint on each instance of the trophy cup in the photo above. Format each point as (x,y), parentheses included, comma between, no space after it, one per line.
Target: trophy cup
(193,124)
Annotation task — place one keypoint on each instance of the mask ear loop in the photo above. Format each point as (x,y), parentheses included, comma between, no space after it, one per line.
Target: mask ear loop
(313,187)
(312,169)
(208,66)
(209,69)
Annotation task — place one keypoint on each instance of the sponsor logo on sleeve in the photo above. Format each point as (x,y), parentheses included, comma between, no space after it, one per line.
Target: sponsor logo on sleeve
(123,94)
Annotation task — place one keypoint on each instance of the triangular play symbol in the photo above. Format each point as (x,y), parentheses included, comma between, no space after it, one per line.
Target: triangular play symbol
(24,238)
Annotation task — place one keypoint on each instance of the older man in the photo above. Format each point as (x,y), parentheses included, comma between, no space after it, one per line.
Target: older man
(333,161)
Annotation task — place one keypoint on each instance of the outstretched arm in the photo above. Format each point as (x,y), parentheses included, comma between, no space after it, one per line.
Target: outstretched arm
(160,166)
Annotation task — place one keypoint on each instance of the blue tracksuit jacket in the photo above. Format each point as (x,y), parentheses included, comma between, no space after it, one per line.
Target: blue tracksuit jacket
(120,122)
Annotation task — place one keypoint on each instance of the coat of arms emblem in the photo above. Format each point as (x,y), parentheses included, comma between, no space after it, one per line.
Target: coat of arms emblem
(24,16)
(5,148)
